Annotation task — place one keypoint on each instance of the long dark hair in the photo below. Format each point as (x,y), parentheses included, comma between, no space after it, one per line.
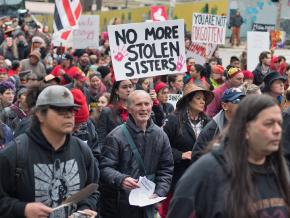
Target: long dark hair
(241,193)
(114,96)
(182,110)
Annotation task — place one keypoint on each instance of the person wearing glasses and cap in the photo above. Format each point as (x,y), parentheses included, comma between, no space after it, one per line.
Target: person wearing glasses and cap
(46,165)
(235,78)
(230,100)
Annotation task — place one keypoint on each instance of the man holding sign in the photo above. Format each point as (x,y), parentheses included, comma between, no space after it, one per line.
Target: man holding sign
(147,49)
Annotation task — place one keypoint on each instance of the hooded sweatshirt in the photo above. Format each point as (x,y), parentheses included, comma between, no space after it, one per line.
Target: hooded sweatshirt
(49,175)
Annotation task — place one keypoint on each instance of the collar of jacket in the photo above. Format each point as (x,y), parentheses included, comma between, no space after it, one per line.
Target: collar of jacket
(132,125)
(220,120)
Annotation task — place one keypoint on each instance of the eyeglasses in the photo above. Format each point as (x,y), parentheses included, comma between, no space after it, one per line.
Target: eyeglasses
(236,101)
(63,110)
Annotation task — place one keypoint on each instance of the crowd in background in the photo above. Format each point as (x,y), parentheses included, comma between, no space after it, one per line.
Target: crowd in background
(29,62)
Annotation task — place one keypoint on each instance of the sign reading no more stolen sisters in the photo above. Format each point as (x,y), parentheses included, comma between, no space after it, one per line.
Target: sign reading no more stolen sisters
(208,28)
(147,49)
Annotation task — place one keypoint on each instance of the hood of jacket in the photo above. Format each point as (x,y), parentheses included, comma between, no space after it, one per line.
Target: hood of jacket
(38,138)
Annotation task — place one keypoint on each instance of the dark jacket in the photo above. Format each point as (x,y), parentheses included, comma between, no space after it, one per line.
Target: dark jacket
(182,138)
(109,119)
(209,132)
(48,176)
(23,126)
(12,116)
(286,134)
(258,75)
(202,190)
(88,134)
(161,111)
(6,135)
(118,162)
(236,21)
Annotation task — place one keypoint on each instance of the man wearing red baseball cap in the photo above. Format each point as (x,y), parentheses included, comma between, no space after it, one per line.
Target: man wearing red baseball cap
(79,82)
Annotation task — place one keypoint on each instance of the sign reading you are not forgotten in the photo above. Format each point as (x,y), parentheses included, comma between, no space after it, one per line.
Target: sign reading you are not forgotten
(208,28)
(147,49)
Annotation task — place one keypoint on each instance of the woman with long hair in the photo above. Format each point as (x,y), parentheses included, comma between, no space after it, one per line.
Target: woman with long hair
(116,113)
(183,128)
(175,82)
(246,176)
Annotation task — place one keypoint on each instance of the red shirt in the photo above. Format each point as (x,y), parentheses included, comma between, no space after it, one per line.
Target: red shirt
(71,71)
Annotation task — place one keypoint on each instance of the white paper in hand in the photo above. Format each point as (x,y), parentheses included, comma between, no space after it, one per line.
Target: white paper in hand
(140,196)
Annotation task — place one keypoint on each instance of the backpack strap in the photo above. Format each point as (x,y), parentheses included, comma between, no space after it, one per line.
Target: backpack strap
(84,150)
(21,155)
(133,148)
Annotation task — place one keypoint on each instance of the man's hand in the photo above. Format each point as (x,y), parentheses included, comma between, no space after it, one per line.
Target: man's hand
(36,210)
(90,213)
(129,183)
(157,205)
(186,155)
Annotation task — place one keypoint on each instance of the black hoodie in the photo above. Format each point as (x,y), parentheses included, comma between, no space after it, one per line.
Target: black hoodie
(49,176)
(200,193)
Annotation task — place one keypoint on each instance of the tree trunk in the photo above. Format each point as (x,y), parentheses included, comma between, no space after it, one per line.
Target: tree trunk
(99,5)
(87,5)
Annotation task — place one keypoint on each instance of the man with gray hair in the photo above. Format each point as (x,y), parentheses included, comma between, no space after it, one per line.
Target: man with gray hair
(136,148)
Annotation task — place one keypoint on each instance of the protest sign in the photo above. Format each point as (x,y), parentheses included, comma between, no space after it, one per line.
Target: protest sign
(173,99)
(158,13)
(200,52)
(278,39)
(260,27)
(85,36)
(208,28)
(254,48)
(147,49)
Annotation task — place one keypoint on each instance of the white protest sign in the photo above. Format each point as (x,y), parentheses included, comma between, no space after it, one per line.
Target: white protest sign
(200,51)
(257,42)
(173,99)
(208,28)
(86,35)
(147,49)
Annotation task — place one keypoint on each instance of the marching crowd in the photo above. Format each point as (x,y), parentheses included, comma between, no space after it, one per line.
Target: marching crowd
(66,123)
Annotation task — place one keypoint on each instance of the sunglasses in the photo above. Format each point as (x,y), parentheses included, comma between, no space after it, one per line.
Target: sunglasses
(236,101)
(63,110)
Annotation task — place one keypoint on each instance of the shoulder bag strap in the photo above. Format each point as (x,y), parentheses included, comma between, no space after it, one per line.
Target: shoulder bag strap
(133,148)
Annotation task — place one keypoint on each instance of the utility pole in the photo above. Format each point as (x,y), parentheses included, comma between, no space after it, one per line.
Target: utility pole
(278,18)
(171,7)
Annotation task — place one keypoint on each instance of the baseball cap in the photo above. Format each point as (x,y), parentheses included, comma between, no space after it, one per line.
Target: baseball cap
(80,77)
(67,57)
(273,76)
(233,71)
(232,95)
(56,95)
